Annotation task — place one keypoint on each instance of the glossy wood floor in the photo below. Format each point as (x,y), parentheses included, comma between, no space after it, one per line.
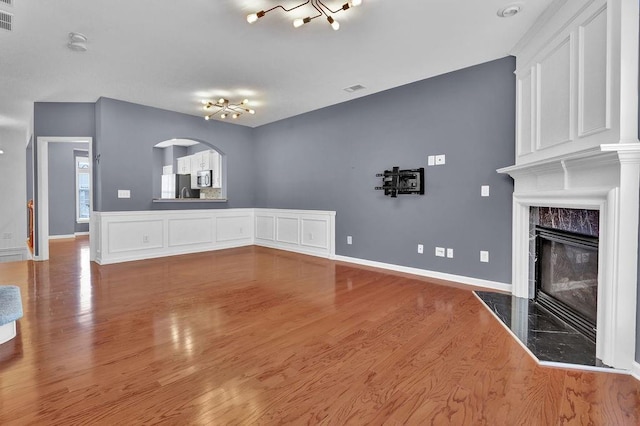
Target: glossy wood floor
(259,336)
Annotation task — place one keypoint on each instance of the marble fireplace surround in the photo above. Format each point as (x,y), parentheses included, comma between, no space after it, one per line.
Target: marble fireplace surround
(604,178)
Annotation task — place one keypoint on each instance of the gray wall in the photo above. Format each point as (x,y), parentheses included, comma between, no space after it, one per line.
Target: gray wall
(327,159)
(62,183)
(125,136)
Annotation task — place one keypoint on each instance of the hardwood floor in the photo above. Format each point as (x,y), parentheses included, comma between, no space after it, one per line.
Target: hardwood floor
(259,336)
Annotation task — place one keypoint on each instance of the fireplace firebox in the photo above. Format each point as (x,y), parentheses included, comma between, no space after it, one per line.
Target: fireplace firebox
(567,277)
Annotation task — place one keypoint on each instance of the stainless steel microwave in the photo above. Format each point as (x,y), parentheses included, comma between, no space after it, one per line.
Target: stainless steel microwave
(204,179)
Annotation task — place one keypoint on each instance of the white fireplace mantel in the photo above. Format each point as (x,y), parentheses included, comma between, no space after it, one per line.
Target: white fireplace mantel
(605,178)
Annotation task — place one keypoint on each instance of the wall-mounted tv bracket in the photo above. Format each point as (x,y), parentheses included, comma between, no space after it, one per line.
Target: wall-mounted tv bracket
(396,181)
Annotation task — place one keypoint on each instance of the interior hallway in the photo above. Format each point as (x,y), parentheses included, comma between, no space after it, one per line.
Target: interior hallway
(260,336)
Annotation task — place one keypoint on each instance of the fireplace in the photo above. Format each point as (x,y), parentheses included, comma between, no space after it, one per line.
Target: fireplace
(566,271)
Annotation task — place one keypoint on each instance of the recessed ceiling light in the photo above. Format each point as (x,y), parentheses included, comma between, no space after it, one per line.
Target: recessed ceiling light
(510,10)
(1,152)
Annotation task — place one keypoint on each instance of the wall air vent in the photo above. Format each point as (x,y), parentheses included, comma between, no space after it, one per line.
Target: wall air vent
(355,88)
(7,2)
(6,21)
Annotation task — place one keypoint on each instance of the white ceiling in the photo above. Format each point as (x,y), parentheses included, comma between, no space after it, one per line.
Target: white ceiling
(171,54)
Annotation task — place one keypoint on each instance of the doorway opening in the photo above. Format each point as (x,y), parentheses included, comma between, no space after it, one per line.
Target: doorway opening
(80,185)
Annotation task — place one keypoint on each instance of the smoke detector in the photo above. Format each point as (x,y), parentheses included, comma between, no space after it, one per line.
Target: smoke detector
(77,42)
(510,10)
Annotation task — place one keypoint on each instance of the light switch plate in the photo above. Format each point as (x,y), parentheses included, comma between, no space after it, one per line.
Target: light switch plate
(484,256)
(450,253)
(484,190)
(440,160)
(349,239)
(124,193)
(420,248)
(431,160)
(440,251)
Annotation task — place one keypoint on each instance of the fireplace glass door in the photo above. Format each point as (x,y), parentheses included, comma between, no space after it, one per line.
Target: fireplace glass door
(567,276)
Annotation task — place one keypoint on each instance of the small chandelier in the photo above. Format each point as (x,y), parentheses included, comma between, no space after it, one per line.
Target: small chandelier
(321,9)
(223,107)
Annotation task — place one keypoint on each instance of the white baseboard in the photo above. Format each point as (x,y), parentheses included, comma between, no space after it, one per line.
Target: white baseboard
(61,237)
(14,254)
(475,282)
(81,233)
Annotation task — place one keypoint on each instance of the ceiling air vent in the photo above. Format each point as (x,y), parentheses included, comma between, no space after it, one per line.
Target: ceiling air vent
(8,2)
(6,20)
(355,88)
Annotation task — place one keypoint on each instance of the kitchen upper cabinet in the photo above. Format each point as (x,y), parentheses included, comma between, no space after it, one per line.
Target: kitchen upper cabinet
(184,165)
(207,160)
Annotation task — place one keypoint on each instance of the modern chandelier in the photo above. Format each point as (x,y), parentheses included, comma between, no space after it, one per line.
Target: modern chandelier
(321,10)
(223,107)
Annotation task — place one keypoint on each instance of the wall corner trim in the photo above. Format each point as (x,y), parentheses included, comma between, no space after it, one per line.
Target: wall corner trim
(475,282)
(635,370)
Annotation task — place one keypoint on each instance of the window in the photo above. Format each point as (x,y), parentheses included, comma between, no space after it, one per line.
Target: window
(83,195)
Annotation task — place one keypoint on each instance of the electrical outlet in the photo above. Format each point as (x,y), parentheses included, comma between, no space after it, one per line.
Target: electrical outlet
(145,239)
(440,251)
(450,253)
(440,159)
(420,248)
(349,239)
(484,191)
(431,160)
(484,256)
(124,193)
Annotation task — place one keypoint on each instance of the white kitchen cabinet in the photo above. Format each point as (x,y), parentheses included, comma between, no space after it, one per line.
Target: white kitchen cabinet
(184,165)
(207,160)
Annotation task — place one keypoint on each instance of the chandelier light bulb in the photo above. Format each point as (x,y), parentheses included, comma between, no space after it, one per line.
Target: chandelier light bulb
(207,117)
(223,115)
(255,16)
(235,116)
(245,101)
(251,111)
(334,24)
(355,3)
(297,23)
(203,102)
(221,100)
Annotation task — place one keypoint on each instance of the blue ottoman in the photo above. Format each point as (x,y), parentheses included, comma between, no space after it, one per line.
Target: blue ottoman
(10,311)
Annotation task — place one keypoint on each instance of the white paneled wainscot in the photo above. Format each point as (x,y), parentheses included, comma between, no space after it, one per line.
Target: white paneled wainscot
(128,236)
(302,231)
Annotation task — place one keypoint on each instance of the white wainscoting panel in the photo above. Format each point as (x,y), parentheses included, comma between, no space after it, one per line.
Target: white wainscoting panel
(127,236)
(134,234)
(235,228)
(584,81)
(303,231)
(190,231)
(315,232)
(525,114)
(287,229)
(265,227)
(554,78)
(593,92)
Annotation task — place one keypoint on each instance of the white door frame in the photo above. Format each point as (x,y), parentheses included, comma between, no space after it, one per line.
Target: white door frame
(42,195)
